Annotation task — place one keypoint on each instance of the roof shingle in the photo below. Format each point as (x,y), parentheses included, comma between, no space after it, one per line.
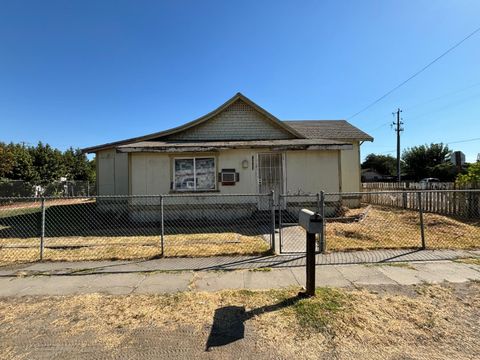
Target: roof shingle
(328,129)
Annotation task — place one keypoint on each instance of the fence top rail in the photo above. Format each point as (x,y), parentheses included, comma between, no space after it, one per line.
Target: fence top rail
(213,195)
(298,195)
(190,195)
(406,191)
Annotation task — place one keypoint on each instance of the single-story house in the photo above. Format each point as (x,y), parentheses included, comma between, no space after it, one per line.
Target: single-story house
(238,148)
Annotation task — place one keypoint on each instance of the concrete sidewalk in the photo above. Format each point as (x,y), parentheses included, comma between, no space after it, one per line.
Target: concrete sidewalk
(160,282)
(231,262)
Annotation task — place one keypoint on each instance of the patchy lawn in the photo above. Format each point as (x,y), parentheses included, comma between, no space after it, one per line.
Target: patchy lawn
(77,248)
(75,232)
(385,227)
(416,322)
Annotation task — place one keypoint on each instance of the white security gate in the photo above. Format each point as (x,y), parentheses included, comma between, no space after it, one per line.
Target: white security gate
(270,175)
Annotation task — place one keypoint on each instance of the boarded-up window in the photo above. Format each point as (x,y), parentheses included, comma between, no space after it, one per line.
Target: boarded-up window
(194,174)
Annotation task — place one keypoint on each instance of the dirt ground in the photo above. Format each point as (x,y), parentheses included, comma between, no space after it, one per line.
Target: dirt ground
(386,227)
(413,322)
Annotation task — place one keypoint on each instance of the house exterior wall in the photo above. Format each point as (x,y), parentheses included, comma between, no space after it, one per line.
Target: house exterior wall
(149,174)
(350,169)
(238,122)
(112,176)
(305,171)
(312,172)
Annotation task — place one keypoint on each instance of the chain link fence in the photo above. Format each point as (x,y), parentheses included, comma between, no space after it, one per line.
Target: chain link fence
(442,219)
(201,225)
(123,227)
(20,188)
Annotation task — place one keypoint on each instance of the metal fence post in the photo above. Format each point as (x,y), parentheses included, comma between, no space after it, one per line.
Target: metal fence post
(272,206)
(321,211)
(280,205)
(422,227)
(42,228)
(162,225)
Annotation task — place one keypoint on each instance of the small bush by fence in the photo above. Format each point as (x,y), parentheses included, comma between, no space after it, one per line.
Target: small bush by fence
(133,227)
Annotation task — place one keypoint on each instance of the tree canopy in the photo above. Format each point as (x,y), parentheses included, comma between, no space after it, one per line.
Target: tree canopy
(472,177)
(383,164)
(43,164)
(426,161)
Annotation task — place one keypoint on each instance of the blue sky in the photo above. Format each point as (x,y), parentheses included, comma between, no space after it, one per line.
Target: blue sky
(82,73)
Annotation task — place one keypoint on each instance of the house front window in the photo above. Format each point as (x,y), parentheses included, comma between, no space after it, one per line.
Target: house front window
(194,174)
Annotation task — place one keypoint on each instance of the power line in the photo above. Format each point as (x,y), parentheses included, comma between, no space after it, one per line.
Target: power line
(446,143)
(461,101)
(442,96)
(417,73)
(409,108)
(462,141)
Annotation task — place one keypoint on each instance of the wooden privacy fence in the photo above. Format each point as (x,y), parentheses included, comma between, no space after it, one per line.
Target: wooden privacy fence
(460,203)
(405,185)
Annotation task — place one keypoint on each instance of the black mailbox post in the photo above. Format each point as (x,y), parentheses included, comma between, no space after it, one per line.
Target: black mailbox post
(313,224)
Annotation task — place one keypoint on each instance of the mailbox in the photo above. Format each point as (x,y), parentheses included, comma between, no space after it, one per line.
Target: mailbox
(310,221)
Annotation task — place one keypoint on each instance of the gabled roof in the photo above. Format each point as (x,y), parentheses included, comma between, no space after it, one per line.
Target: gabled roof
(301,129)
(328,129)
(201,120)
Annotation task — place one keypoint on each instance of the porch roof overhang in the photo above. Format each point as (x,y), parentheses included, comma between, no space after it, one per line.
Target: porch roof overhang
(213,146)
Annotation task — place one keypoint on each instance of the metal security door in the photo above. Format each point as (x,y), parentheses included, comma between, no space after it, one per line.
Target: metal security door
(270,177)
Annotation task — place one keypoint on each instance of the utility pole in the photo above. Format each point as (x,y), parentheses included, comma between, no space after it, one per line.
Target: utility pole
(398,129)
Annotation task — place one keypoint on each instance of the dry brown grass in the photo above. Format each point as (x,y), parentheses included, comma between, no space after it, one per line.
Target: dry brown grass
(472,261)
(433,322)
(382,228)
(77,248)
(395,228)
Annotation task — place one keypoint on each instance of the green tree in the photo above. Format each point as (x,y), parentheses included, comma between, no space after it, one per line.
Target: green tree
(427,161)
(48,163)
(22,168)
(383,164)
(6,160)
(471,178)
(92,170)
(76,164)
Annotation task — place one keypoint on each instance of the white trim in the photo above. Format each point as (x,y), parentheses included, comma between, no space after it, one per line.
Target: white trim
(195,172)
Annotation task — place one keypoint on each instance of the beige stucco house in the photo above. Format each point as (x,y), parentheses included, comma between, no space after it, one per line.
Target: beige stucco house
(239,148)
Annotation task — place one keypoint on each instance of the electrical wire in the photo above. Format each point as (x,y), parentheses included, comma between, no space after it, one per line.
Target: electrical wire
(416,74)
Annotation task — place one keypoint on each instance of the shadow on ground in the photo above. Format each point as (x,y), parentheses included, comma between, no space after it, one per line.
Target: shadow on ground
(229,322)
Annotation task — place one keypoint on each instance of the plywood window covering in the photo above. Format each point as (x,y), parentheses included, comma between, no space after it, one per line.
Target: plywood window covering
(194,174)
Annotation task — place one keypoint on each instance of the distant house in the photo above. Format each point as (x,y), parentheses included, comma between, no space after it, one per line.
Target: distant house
(238,148)
(371,175)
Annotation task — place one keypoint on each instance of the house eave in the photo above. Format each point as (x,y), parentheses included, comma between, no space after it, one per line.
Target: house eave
(190,149)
